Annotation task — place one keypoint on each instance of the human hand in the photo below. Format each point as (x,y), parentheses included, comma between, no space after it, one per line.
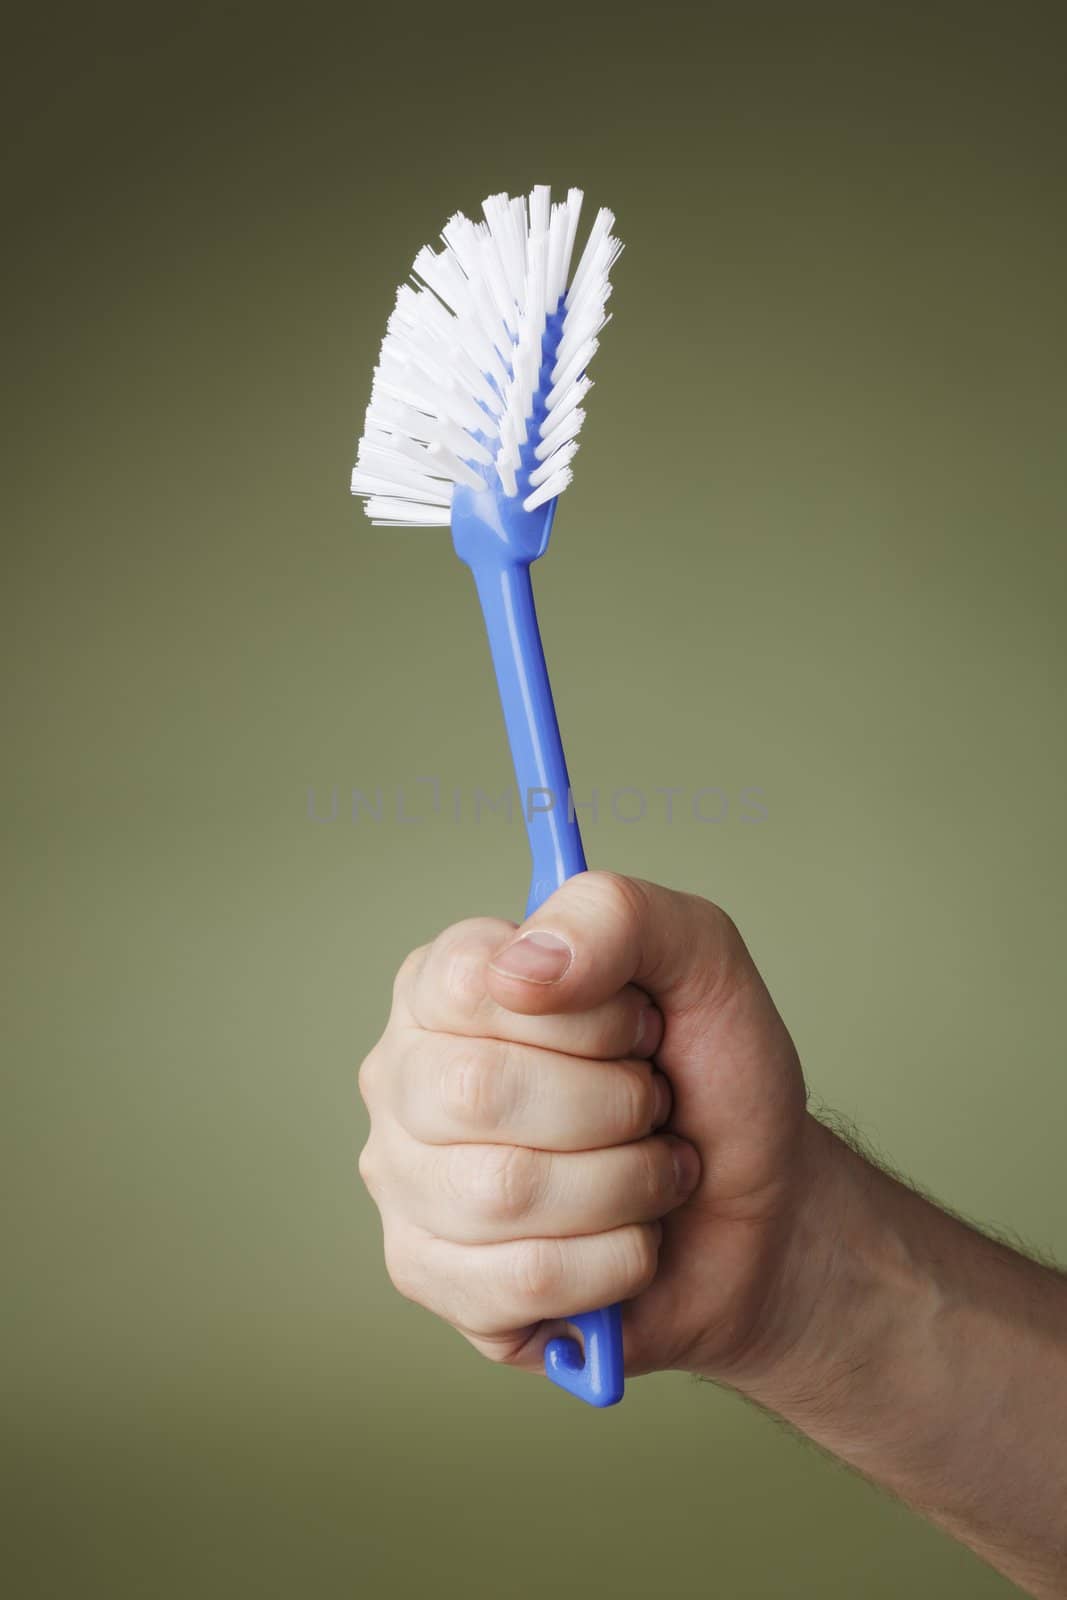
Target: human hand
(529,1160)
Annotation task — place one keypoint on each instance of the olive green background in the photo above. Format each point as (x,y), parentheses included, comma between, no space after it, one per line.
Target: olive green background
(814,548)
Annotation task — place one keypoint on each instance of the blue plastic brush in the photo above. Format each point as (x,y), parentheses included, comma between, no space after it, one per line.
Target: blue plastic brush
(473,422)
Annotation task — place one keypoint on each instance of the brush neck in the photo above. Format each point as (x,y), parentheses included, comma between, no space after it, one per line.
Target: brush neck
(506,595)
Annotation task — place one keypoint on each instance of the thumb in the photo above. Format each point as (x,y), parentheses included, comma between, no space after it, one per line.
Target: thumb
(600,932)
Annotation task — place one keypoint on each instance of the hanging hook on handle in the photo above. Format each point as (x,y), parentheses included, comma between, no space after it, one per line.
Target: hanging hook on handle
(598,1377)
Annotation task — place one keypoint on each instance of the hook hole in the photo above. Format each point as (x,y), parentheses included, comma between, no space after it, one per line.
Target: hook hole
(571,1330)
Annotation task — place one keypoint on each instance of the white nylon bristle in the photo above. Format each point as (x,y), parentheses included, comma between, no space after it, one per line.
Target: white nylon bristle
(467,390)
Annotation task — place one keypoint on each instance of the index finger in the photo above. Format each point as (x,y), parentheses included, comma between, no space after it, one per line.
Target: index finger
(448,991)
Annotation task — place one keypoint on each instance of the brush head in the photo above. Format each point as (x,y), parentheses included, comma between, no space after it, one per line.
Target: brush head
(482,373)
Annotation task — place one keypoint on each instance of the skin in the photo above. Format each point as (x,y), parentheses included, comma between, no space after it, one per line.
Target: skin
(605,1105)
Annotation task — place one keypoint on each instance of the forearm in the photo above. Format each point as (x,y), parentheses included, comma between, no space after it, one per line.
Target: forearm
(928,1357)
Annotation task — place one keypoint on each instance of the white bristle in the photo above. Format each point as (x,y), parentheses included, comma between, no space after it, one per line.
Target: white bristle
(393,417)
(559,458)
(540,199)
(367,484)
(568,428)
(411,450)
(570,400)
(574,211)
(388,464)
(548,491)
(458,380)
(390,511)
(454,468)
(601,228)
(557,236)
(562,380)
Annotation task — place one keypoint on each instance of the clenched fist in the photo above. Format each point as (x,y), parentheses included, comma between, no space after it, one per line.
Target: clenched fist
(601,1106)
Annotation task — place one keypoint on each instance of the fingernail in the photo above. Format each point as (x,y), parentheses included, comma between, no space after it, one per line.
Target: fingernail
(536,957)
(663,1100)
(686,1166)
(648,1029)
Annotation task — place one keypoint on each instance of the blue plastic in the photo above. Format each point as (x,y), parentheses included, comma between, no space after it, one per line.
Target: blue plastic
(499,540)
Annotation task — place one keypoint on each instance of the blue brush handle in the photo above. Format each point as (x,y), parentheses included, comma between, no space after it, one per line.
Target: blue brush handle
(506,595)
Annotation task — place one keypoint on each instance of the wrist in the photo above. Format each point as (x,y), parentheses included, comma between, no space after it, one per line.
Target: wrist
(871,1324)
(846,1289)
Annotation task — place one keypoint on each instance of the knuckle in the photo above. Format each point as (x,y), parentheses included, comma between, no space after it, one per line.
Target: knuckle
(470,1085)
(501,1354)
(463,971)
(452,978)
(656,1169)
(402,1269)
(406,973)
(729,966)
(620,899)
(637,1259)
(539,1272)
(720,923)
(738,961)
(635,1099)
(367,1164)
(368,1075)
(504,1183)
(729,933)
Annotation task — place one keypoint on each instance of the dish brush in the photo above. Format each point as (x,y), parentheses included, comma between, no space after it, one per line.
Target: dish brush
(474,418)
